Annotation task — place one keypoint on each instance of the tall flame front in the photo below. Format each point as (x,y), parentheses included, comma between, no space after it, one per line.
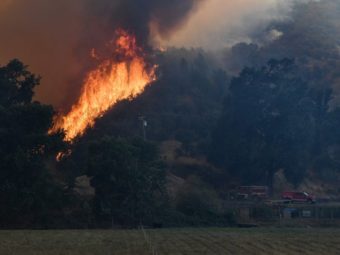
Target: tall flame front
(124,76)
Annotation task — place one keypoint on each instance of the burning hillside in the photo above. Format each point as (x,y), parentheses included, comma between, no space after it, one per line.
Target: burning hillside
(123,75)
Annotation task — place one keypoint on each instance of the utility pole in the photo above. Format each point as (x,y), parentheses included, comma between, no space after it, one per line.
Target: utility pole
(144,125)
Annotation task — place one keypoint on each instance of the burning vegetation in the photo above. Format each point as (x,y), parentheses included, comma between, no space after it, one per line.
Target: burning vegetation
(122,76)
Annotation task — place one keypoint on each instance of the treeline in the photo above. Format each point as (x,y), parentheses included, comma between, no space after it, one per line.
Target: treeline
(274,119)
(300,135)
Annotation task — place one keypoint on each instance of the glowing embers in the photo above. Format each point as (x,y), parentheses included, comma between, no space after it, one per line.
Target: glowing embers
(124,76)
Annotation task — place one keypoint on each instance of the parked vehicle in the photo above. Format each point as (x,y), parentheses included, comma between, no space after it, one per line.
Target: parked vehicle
(255,193)
(299,197)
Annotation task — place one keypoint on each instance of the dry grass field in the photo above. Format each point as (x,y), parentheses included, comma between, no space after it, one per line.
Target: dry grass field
(172,241)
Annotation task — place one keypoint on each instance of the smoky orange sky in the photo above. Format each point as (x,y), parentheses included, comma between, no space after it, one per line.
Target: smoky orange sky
(47,35)
(43,36)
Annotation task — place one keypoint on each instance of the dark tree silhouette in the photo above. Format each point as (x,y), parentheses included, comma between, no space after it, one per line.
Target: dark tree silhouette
(27,191)
(268,123)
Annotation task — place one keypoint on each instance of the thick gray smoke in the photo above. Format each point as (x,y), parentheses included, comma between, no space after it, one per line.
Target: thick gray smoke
(222,23)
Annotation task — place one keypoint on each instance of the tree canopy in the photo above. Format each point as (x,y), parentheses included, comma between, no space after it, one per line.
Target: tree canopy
(27,190)
(271,120)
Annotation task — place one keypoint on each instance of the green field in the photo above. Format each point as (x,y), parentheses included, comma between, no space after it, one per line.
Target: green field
(172,241)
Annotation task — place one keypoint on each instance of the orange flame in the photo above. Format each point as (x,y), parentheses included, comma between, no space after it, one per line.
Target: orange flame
(125,76)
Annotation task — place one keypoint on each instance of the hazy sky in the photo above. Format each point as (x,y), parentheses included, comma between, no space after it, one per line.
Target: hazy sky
(43,36)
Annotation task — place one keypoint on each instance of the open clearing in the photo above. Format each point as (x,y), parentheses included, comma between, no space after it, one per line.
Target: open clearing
(172,241)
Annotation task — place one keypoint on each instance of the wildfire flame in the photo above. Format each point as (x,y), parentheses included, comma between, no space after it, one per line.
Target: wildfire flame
(124,76)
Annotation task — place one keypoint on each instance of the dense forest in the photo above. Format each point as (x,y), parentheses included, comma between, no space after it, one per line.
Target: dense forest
(215,120)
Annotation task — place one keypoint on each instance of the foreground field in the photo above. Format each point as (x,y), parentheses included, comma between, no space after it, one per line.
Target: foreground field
(174,241)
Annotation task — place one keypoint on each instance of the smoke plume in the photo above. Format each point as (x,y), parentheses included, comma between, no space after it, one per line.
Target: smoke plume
(55,37)
(137,16)
(221,23)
